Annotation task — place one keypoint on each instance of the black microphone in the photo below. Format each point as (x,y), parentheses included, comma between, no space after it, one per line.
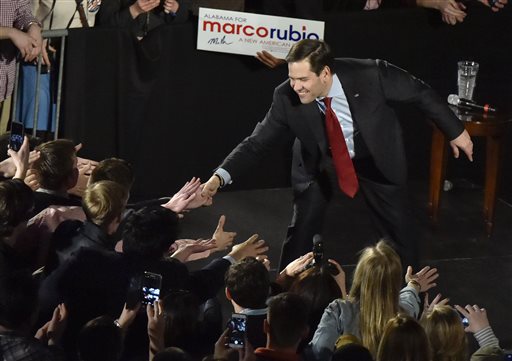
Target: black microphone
(454,99)
(318,249)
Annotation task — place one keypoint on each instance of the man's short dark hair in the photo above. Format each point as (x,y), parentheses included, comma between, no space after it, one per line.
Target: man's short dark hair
(248,283)
(149,232)
(18,299)
(287,318)
(316,52)
(114,169)
(16,204)
(100,340)
(56,163)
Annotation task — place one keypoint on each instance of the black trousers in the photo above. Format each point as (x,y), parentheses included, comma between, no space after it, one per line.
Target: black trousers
(388,204)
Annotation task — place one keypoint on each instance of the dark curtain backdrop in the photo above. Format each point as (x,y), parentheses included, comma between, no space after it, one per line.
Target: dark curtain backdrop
(175,112)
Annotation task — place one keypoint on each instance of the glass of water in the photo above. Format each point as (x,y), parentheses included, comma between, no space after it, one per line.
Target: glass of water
(466,79)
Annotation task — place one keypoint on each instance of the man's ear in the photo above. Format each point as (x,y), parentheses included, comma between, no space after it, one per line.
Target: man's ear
(266,326)
(228,294)
(326,72)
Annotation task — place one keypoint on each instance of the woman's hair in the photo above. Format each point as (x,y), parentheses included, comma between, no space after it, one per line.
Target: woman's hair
(376,286)
(404,340)
(445,331)
(182,317)
(318,288)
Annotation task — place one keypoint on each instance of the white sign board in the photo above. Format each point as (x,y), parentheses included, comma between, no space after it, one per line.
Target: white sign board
(245,33)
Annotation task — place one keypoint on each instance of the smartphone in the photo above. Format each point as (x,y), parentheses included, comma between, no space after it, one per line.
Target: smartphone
(151,285)
(238,330)
(16,137)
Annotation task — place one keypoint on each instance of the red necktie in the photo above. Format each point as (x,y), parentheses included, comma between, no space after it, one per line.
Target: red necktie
(347,179)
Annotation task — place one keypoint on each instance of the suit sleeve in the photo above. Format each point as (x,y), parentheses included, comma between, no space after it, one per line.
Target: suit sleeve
(274,129)
(400,86)
(114,13)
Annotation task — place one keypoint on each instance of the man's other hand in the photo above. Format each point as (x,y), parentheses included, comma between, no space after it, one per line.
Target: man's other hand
(463,141)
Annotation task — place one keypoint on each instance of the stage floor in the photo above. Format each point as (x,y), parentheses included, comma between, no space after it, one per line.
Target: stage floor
(473,268)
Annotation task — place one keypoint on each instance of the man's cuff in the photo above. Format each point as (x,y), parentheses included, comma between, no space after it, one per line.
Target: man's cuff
(224,174)
(230,259)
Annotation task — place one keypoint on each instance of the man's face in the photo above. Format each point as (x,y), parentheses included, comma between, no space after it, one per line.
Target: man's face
(306,83)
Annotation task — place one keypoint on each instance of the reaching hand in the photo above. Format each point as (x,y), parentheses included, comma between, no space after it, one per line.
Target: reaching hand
(184,196)
(264,259)
(171,6)
(496,5)
(298,265)
(52,331)
(340,278)
(429,307)
(20,159)
(199,200)
(156,328)
(250,248)
(452,12)
(221,350)
(423,280)
(211,187)
(85,168)
(476,316)
(186,248)
(222,238)
(127,316)
(269,60)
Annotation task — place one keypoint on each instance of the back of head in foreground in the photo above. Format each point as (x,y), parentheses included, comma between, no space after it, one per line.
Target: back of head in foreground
(445,331)
(100,340)
(287,321)
(376,286)
(114,169)
(248,283)
(404,340)
(56,167)
(16,205)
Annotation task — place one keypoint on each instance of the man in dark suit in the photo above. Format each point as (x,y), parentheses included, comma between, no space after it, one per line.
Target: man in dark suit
(357,95)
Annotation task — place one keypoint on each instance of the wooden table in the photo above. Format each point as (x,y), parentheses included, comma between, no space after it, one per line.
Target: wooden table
(493,128)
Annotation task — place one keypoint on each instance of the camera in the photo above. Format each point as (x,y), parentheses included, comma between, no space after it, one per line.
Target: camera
(151,284)
(238,330)
(318,256)
(16,137)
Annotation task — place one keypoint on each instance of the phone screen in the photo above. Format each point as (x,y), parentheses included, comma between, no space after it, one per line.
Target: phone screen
(238,327)
(151,284)
(16,137)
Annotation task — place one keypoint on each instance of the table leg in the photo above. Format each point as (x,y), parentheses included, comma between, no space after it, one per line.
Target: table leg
(437,171)
(492,163)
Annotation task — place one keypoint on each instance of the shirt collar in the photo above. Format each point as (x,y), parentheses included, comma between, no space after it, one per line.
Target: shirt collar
(336,89)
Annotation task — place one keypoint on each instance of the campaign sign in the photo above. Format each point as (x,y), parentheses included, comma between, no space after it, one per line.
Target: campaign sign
(245,33)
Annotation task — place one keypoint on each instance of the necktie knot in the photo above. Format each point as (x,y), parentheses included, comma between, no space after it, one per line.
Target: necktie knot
(327,101)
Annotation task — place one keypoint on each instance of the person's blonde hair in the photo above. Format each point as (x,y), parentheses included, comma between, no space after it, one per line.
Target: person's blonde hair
(376,286)
(446,334)
(104,201)
(404,340)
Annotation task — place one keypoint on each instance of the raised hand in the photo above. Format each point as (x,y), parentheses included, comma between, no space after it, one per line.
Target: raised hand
(423,280)
(250,248)
(156,328)
(184,196)
(52,331)
(269,60)
(298,265)
(476,316)
(340,278)
(190,249)
(222,238)
(20,159)
(429,307)
(127,316)
(171,6)
(142,6)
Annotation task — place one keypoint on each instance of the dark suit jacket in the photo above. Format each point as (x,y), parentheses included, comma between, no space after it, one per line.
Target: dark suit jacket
(370,87)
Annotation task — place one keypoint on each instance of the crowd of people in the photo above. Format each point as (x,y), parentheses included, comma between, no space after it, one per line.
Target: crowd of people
(73,259)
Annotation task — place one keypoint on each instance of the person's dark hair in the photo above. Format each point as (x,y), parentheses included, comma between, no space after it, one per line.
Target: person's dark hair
(316,52)
(351,352)
(100,340)
(181,310)
(149,232)
(404,340)
(56,164)
(248,282)
(172,354)
(113,169)
(18,299)
(318,288)
(16,204)
(288,319)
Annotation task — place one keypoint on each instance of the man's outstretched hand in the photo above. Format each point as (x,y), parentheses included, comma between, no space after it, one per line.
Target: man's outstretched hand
(463,141)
